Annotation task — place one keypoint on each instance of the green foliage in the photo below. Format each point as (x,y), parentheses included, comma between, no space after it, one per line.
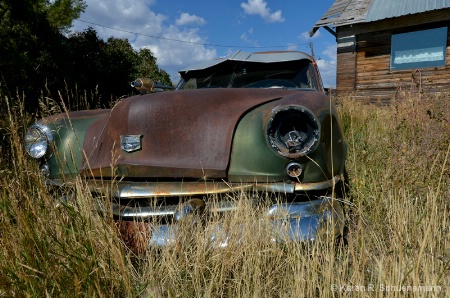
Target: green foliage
(146,67)
(61,13)
(27,46)
(37,58)
(107,67)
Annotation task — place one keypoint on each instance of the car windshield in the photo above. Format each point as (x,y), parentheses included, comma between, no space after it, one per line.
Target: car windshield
(236,74)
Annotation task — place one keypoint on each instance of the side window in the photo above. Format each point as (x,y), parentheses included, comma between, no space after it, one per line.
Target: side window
(312,77)
(303,79)
(419,49)
(191,84)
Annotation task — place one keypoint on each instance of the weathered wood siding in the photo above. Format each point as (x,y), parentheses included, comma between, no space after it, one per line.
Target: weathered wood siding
(363,68)
(346,64)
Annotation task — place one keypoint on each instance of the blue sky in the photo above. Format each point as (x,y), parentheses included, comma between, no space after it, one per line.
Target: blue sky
(183,32)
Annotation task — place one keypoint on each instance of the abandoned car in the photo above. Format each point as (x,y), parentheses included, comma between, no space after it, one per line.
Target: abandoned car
(250,122)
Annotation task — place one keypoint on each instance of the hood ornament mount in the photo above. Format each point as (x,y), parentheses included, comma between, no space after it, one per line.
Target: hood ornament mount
(131,143)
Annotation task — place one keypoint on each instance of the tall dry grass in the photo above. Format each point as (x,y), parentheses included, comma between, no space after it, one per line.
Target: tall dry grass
(397,215)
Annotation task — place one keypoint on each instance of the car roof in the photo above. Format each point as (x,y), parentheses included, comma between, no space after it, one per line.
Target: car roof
(262,57)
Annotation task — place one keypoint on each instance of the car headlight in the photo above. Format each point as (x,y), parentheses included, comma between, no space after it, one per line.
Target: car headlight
(293,131)
(37,141)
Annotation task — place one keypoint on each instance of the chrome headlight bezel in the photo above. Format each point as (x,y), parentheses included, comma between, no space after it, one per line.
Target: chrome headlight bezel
(293,131)
(38,141)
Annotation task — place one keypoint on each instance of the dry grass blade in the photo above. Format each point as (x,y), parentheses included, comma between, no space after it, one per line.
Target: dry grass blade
(398,238)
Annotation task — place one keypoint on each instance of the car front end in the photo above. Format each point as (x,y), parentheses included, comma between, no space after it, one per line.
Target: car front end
(163,156)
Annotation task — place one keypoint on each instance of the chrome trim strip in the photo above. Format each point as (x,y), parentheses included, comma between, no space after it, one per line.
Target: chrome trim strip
(152,189)
(143,212)
(296,209)
(302,222)
(134,190)
(137,190)
(128,212)
(317,185)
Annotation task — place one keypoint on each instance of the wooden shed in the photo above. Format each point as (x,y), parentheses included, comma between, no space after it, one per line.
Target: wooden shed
(388,46)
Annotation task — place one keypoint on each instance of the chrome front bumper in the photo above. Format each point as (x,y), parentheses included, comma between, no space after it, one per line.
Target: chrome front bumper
(138,190)
(135,190)
(298,221)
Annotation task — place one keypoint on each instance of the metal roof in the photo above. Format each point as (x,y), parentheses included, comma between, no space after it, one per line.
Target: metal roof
(347,12)
(343,12)
(261,57)
(385,9)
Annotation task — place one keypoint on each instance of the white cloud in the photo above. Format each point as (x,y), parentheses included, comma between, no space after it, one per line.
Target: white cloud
(292,47)
(305,36)
(259,7)
(327,66)
(137,16)
(247,37)
(330,52)
(176,55)
(187,19)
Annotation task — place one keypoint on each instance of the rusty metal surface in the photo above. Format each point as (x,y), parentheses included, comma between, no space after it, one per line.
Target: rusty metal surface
(135,235)
(253,159)
(185,133)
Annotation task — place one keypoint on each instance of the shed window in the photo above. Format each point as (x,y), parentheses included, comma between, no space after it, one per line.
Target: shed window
(419,49)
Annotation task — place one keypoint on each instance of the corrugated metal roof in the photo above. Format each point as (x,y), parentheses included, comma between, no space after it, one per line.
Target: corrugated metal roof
(343,12)
(347,12)
(385,9)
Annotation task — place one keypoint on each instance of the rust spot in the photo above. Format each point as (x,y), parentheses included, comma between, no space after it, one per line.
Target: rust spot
(185,133)
(135,235)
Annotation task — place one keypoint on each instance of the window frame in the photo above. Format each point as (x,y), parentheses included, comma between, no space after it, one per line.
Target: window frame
(419,43)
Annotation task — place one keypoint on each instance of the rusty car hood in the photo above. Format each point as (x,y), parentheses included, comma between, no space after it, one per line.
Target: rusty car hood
(184,134)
